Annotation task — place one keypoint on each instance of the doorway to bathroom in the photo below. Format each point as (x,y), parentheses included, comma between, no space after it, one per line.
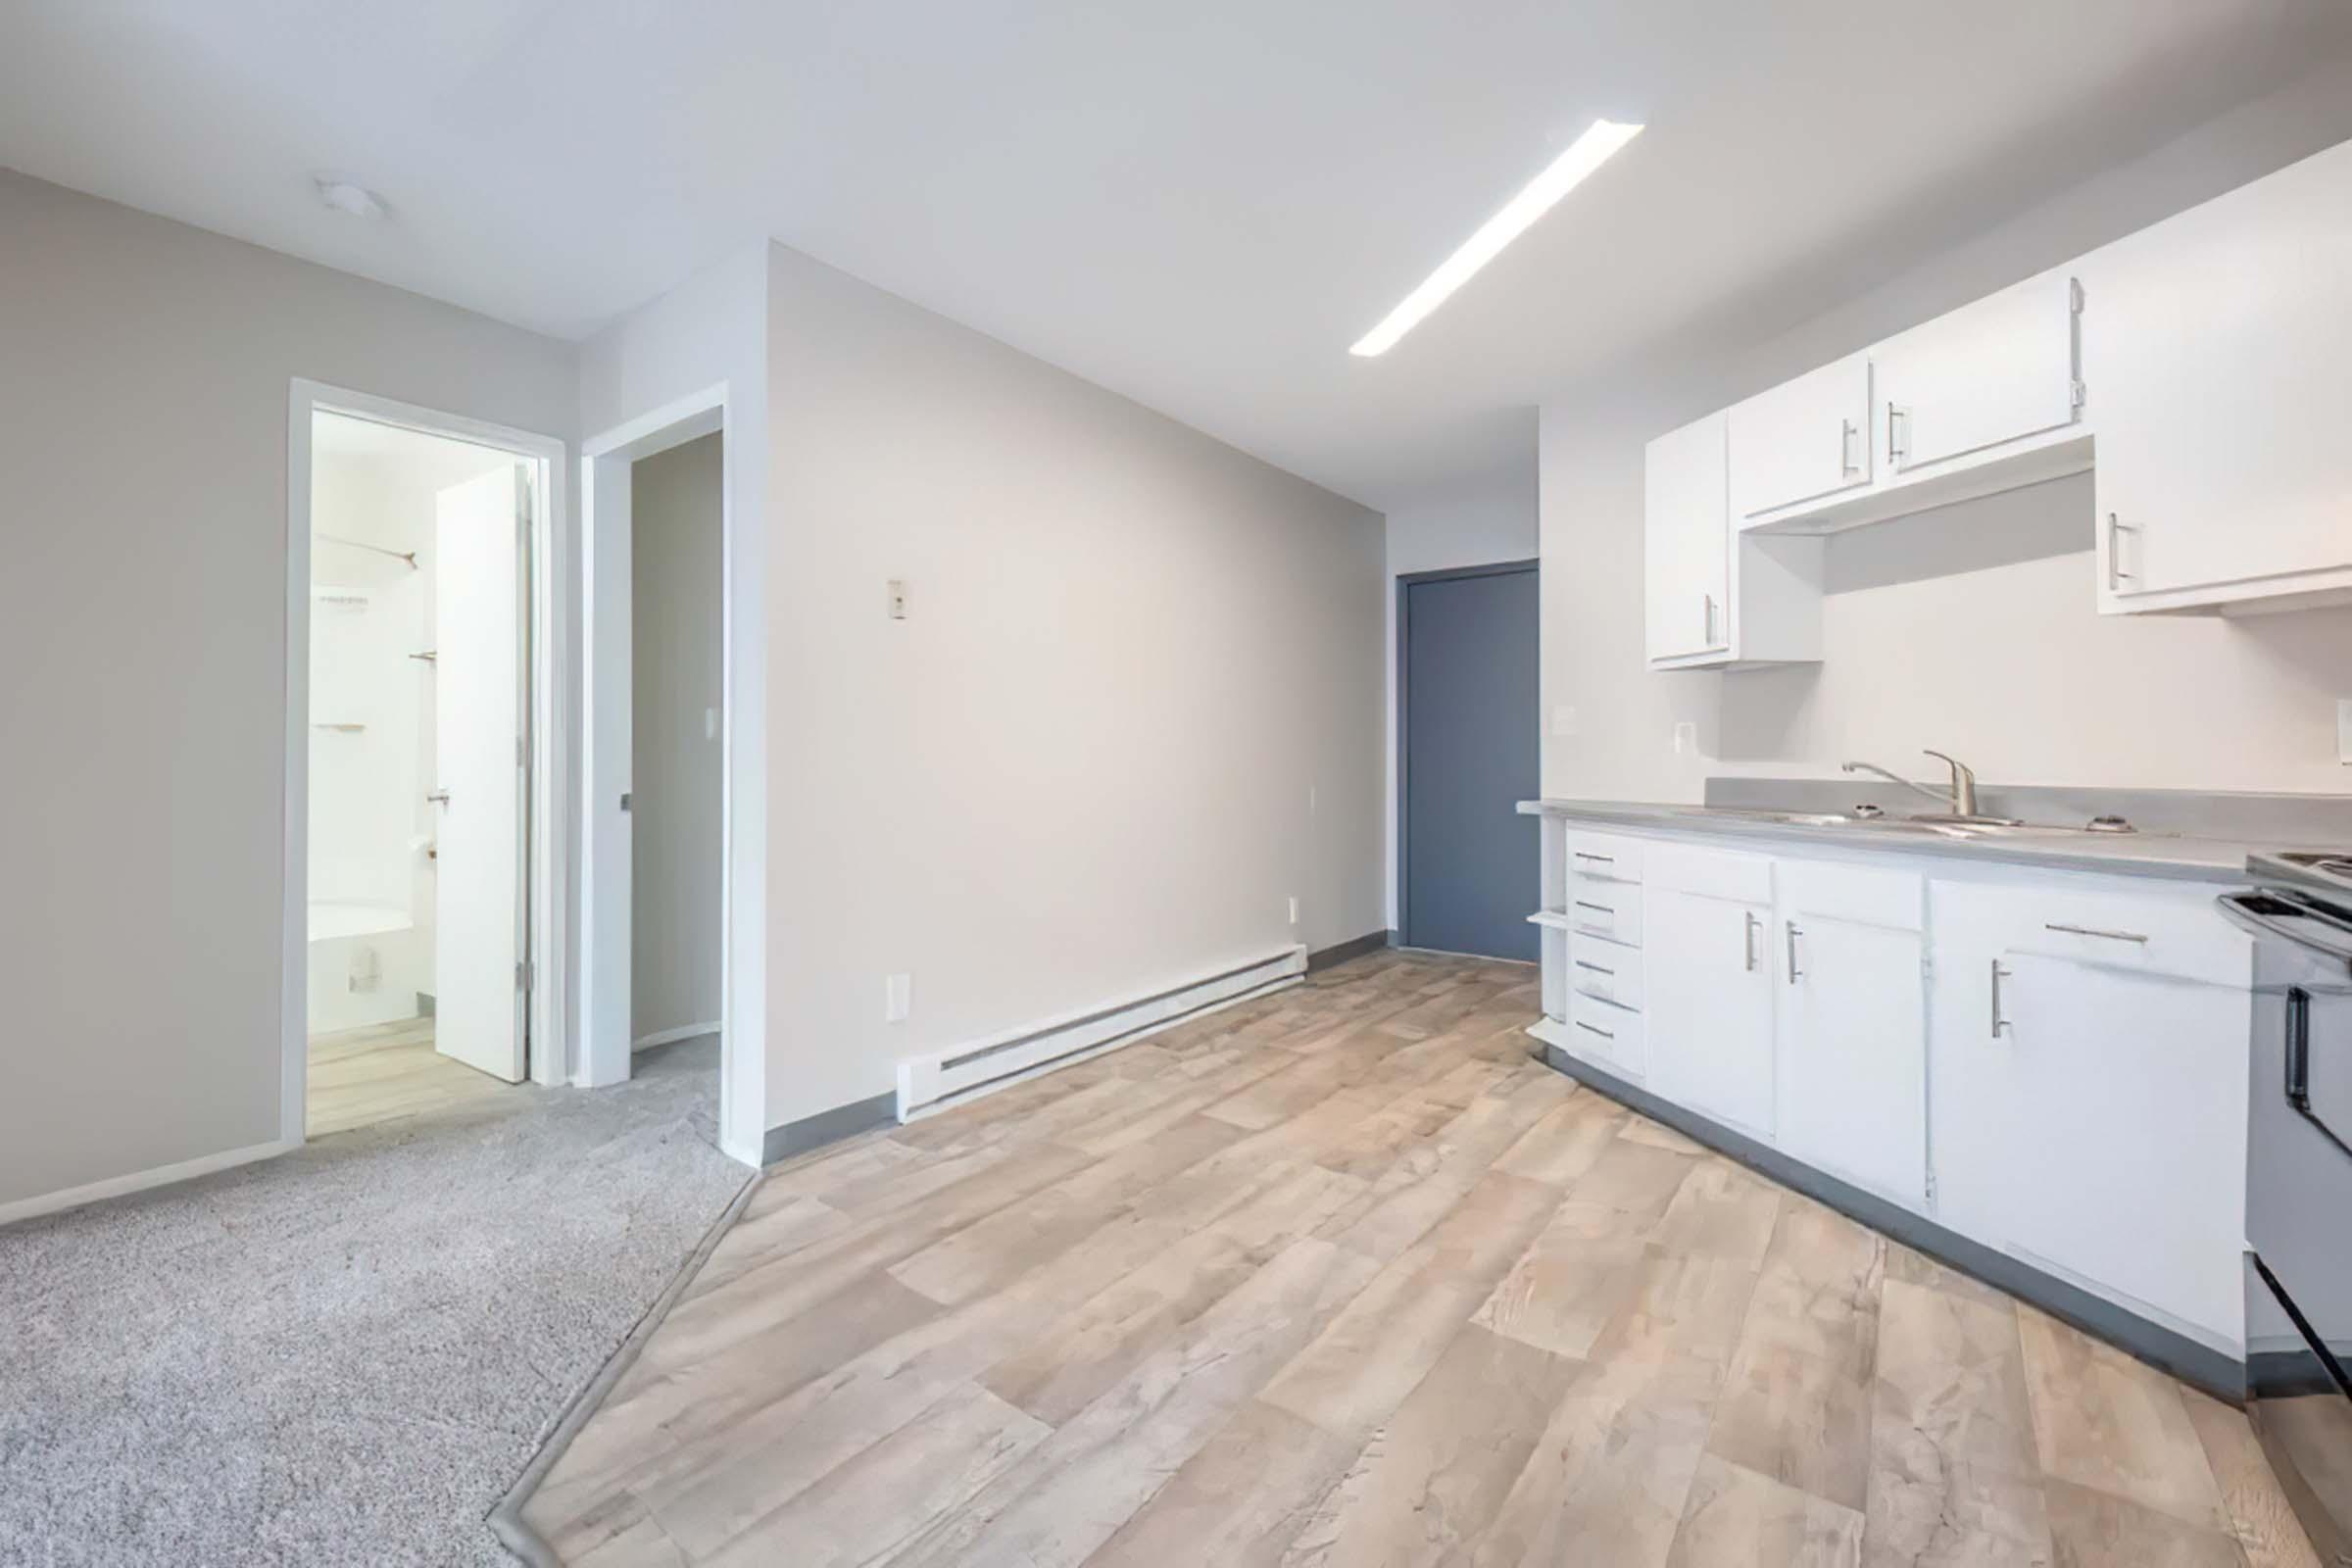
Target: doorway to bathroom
(418,641)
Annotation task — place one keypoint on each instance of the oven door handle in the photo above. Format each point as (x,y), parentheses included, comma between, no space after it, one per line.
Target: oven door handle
(2241,908)
(2297,1086)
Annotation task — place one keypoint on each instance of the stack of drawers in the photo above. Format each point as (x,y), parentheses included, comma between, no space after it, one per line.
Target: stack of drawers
(1604,950)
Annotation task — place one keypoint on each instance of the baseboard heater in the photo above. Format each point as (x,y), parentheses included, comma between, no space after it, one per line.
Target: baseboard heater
(928,1084)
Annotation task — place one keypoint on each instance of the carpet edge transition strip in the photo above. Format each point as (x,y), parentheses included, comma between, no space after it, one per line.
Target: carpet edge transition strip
(505,1518)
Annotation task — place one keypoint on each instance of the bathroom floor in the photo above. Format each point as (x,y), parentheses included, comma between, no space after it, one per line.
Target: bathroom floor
(360,1077)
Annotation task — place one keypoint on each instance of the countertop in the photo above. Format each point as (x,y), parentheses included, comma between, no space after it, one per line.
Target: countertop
(2151,854)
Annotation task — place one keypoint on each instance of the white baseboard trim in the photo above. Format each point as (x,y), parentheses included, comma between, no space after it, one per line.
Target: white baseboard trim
(932,1083)
(140,1181)
(662,1037)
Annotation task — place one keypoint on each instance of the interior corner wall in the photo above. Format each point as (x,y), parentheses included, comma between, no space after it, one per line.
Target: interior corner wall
(1135,704)
(1972,628)
(675,786)
(1467,525)
(145,372)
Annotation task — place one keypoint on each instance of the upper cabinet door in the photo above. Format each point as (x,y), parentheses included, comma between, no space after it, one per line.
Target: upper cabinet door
(1686,543)
(1996,370)
(2215,346)
(1803,439)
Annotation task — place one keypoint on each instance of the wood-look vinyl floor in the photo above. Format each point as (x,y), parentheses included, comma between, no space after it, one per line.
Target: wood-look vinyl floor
(1343,1277)
(360,1077)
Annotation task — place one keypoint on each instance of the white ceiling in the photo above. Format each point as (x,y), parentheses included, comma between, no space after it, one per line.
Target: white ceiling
(1200,203)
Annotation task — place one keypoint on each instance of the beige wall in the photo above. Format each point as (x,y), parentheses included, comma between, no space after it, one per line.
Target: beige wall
(674,786)
(1137,704)
(144,372)
(1972,629)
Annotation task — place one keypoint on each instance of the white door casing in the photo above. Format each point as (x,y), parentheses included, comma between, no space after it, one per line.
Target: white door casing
(478,735)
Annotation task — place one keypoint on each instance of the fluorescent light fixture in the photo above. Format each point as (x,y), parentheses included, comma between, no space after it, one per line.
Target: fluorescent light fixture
(1567,171)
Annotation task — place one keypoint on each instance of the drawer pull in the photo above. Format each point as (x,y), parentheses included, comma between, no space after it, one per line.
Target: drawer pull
(1605,859)
(1594,967)
(1598,909)
(1591,1030)
(2094,931)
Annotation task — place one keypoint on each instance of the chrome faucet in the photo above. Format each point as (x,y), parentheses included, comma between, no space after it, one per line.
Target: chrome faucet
(1960,802)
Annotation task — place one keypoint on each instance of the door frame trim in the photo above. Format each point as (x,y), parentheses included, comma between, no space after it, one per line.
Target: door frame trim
(606,532)
(548,1045)
(1404,581)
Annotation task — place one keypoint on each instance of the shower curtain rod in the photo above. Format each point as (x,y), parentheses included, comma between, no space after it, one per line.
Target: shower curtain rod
(358,544)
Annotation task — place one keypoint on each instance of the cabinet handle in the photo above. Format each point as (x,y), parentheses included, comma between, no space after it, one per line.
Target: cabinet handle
(1999,1023)
(1793,934)
(2094,931)
(1709,600)
(2116,529)
(1605,859)
(1591,1030)
(1600,908)
(1846,432)
(1594,967)
(1896,451)
(1748,937)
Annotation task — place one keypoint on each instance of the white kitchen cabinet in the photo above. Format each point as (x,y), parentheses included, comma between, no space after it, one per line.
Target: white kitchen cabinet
(1712,598)
(1686,543)
(2090,1115)
(1998,370)
(2216,345)
(1708,1008)
(1851,1056)
(1803,439)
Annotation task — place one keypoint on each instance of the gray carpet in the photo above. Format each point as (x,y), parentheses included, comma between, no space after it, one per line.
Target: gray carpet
(348,1354)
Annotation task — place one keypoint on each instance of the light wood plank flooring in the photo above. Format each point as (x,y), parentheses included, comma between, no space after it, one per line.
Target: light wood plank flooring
(360,1077)
(1342,1277)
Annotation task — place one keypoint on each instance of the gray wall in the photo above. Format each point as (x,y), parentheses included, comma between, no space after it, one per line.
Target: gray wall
(144,370)
(677,774)
(1136,706)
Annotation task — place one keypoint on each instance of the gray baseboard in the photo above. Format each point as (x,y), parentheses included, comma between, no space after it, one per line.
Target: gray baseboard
(2176,1354)
(827,1127)
(1340,953)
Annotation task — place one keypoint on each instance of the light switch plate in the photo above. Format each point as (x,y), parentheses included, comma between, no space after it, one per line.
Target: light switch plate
(1563,721)
(1686,737)
(897,997)
(897,599)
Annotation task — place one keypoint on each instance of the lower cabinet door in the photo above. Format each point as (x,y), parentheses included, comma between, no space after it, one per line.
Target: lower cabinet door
(1852,1054)
(1708,1005)
(2093,1118)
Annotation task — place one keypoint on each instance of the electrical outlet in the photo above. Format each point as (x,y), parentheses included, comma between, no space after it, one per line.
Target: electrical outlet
(897,997)
(897,599)
(1686,738)
(1293,909)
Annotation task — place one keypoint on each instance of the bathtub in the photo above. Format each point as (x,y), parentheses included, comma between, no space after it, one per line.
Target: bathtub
(367,964)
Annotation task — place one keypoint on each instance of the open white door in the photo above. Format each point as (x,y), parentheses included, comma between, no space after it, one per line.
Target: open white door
(478,927)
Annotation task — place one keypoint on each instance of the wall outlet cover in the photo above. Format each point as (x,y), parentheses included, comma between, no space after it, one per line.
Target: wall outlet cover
(1293,909)
(1686,737)
(897,997)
